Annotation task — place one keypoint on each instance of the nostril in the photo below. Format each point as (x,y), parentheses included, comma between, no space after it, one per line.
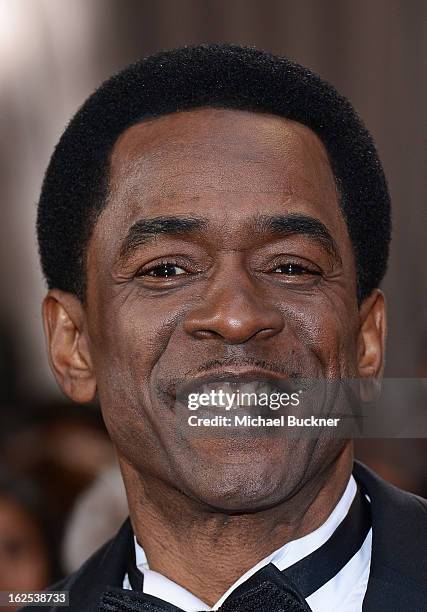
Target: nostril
(236,335)
(234,317)
(266,333)
(206,334)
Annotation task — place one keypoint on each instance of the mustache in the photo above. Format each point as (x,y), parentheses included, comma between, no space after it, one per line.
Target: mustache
(291,369)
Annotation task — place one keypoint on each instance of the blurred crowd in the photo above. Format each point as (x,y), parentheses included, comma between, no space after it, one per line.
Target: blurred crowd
(49,457)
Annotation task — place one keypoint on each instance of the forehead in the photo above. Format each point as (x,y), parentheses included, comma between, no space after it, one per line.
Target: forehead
(219,163)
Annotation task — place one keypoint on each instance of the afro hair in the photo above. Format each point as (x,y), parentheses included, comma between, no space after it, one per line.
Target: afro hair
(220,76)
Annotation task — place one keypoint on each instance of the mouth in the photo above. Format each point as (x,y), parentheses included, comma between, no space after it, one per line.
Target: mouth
(233,388)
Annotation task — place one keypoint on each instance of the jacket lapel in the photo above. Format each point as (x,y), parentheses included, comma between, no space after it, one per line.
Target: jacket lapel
(398,573)
(106,568)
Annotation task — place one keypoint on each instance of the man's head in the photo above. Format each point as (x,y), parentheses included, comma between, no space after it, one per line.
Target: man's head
(212,210)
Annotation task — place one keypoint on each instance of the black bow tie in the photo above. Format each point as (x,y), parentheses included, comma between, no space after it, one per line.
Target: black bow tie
(269,589)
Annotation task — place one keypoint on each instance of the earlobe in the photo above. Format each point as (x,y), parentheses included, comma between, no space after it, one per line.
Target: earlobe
(372,336)
(68,345)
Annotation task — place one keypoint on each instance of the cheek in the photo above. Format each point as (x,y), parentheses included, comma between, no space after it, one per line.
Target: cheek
(327,328)
(130,337)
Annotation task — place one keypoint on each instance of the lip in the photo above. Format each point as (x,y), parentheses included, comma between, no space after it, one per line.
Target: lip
(236,376)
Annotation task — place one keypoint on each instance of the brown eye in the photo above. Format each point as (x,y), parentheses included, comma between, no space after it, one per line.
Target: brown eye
(165,270)
(291,269)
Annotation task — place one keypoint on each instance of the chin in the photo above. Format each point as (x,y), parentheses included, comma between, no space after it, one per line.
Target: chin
(244,484)
(239,495)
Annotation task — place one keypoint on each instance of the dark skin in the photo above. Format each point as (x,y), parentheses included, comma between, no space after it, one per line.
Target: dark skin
(239,293)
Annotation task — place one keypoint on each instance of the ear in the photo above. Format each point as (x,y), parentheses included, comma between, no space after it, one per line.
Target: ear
(372,336)
(68,345)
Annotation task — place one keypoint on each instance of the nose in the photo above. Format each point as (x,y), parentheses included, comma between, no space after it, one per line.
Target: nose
(234,311)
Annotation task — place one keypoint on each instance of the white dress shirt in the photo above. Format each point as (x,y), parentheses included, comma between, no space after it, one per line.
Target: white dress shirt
(344,592)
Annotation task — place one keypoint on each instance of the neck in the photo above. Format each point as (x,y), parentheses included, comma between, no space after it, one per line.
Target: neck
(207,551)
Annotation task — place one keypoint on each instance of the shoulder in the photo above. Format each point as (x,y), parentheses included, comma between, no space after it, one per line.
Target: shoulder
(399,541)
(68,584)
(105,568)
(392,501)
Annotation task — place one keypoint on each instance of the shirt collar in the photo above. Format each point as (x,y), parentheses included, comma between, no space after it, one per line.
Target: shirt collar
(158,585)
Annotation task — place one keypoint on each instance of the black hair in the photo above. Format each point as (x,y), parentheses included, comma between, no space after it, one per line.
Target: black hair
(221,76)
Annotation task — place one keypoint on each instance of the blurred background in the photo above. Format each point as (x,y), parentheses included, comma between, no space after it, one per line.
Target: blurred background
(56,464)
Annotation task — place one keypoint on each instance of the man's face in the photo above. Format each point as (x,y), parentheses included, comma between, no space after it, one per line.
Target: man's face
(258,278)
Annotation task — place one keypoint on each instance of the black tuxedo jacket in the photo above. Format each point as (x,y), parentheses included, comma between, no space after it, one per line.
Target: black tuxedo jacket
(398,575)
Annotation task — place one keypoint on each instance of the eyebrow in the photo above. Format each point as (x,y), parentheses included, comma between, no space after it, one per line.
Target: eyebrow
(284,225)
(145,230)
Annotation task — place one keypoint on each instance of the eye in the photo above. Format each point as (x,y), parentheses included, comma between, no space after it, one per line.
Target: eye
(163,270)
(292,269)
